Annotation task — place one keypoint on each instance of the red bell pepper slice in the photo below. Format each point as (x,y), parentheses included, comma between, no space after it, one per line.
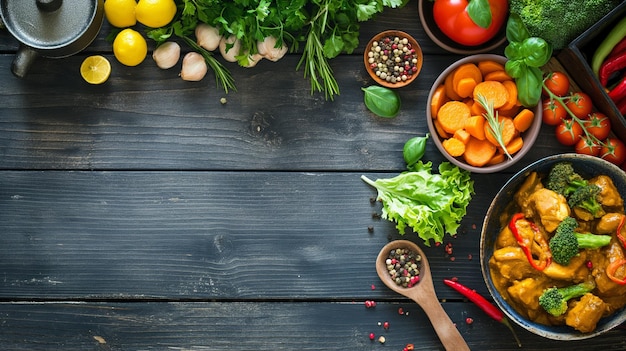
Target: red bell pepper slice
(611,269)
(544,257)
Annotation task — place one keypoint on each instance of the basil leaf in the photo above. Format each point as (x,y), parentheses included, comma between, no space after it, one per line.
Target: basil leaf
(536,51)
(382,101)
(516,30)
(529,86)
(515,68)
(480,12)
(513,51)
(414,149)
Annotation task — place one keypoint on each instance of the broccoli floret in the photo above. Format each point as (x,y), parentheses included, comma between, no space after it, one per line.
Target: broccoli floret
(560,177)
(566,241)
(554,300)
(564,180)
(560,21)
(585,197)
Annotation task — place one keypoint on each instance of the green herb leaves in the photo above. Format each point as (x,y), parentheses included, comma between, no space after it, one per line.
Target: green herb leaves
(526,55)
(431,204)
(382,101)
(480,12)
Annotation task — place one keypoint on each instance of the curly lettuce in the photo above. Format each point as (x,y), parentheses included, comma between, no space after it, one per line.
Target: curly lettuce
(429,203)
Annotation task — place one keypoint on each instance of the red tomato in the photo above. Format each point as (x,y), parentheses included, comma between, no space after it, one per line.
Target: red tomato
(557,83)
(580,104)
(613,151)
(553,112)
(587,146)
(568,132)
(454,21)
(598,125)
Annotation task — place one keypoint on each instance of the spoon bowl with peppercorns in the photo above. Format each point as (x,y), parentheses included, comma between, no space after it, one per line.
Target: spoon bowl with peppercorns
(403,267)
(393,58)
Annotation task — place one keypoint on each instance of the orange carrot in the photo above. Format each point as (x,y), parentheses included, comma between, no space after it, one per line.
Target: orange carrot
(450,88)
(452,116)
(454,147)
(438,99)
(465,87)
(467,70)
(511,112)
(488,66)
(497,158)
(492,91)
(511,87)
(442,133)
(508,131)
(498,76)
(462,135)
(478,152)
(476,109)
(515,145)
(523,120)
(475,126)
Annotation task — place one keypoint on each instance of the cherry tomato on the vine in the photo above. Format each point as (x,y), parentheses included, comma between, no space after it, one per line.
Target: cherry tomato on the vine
(587,146)
(568,132)
(598,125)
(580,104)
(453,18)
(613,151)
(558,83)
(553,112)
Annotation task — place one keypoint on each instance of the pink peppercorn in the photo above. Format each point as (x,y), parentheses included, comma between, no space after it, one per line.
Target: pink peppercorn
(386,325)
(372,336)
(400,310)
(469,320)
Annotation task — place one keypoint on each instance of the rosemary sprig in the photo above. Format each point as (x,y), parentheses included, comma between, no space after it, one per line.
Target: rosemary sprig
(495,125)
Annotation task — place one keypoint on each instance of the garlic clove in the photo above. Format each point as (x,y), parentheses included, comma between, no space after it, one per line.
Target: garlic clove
(208,36)
(229,48)
(194,67)
(166,55)
(252,60)
(267,48)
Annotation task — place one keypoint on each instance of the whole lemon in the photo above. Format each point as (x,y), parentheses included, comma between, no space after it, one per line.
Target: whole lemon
(129,47)
(120,13)
(155,13)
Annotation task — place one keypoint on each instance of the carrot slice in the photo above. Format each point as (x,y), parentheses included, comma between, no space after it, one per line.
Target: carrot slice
(454,147)
(475,126)
(488,66)
(450,88)
(508,131)
(498,76)
(465,87)
(466,70)
(511,112)
(462,135)
(478,152)
(523,120)
(439,98)
(511,87)
(497,158)
(515,145)
(452,116)
(493,91)
(442,133)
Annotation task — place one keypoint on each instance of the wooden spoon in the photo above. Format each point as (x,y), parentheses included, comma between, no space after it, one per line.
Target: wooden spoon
(424,294)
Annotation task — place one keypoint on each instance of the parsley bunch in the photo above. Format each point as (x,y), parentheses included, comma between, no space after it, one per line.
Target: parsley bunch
(325,29)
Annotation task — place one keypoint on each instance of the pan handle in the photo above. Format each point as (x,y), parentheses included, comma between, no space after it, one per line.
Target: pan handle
(23,60)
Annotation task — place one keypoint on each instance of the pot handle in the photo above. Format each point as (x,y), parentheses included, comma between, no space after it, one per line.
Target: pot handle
(23,60)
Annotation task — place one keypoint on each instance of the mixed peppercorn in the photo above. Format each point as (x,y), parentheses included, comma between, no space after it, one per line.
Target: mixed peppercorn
(404,266)
(393,59)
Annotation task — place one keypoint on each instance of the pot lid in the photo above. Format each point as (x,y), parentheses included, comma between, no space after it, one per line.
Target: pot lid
(48,24)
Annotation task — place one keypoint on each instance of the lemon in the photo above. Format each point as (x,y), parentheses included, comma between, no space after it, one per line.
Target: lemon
(129,47)
(120,13)
(95,69)
(155,13)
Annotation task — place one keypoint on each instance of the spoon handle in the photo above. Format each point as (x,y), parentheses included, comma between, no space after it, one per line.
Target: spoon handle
(445,329)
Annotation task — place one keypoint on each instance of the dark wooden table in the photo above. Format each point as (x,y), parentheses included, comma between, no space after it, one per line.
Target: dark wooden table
(143,214)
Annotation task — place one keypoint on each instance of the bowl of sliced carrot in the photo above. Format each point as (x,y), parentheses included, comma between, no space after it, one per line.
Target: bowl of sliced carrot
(475,117)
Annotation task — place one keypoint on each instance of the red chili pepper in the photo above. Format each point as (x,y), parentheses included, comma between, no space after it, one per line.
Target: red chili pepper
(611,269)
(619,91)
(618,232)
(610,66)
(491,310)
(544,256)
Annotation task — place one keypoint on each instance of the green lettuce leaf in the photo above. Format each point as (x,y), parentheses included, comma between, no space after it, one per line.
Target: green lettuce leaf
(431,204)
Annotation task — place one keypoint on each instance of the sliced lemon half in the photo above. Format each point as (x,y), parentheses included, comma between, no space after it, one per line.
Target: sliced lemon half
(95,69)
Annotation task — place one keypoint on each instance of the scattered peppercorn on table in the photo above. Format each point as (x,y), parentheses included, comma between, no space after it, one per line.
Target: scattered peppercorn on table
(152,213)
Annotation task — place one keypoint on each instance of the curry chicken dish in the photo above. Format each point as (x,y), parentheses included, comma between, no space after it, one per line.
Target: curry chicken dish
(560,256)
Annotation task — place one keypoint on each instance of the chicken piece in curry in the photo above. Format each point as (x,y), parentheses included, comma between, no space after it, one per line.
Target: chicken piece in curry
(527,259)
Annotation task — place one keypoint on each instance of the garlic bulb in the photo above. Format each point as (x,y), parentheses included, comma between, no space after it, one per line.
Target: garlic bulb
(252,61)
(208,36)
(233,45)
(267,48)
(166,55)
(194,67)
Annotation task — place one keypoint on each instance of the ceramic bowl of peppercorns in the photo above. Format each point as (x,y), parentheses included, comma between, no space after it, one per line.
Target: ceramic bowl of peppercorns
(393,58)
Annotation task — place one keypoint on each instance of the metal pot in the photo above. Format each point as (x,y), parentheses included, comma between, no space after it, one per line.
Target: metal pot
(50,28)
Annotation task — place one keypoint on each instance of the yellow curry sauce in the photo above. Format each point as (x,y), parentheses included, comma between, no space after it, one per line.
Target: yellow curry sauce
(521,284)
